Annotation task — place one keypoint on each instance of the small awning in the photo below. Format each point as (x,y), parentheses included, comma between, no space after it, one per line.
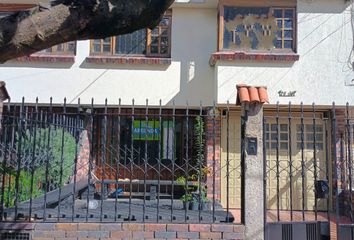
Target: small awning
(251,94)
(4,95)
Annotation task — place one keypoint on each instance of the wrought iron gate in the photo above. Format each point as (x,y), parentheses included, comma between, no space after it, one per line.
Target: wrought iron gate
(308,172)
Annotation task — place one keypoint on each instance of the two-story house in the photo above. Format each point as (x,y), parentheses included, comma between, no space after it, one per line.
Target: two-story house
(298,51)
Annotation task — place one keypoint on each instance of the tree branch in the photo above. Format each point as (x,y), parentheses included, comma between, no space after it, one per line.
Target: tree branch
(27,32)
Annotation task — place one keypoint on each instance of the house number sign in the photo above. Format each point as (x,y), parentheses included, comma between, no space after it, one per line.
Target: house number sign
(287,93)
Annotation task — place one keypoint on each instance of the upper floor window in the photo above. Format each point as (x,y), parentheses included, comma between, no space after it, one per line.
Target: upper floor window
(68,48)
(147,42)
(257,26)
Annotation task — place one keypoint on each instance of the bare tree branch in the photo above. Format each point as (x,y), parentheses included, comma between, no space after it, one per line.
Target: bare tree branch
(41,27)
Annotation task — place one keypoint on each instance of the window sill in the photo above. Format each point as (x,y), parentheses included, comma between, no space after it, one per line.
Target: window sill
(47,58)
(128,60)
(247,56)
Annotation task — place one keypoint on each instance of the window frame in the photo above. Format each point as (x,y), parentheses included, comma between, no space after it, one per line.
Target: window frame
(55,52)
(272,4)
(113,40)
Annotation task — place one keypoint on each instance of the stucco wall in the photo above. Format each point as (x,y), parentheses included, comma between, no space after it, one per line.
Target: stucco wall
(324,44)
(321,75)
(188,77)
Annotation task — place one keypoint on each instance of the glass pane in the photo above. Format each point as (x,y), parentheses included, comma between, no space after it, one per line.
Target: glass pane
(288,23)
(319,137)
(155,31)
(288,44)
(280,23)
(284,127)
(164,32)
(278,13)
(106,48)
(309,128)
(165,22)
(284,146)
(107,40)
(288,34)
(154,49)
(284,136)
(60,47)
(71,46)
(134,43)
(154,40)
(289,13)
(319,146)
(274,146)
(164,50)
(279,34)
(278,44)
(309,137)
(274,136)
(319,128)
(274,127)
(96,48)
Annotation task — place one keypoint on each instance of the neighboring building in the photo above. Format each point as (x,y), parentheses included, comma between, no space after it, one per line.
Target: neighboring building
(301,51)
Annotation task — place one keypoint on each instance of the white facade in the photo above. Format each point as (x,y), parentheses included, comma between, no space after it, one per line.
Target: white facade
(322,75)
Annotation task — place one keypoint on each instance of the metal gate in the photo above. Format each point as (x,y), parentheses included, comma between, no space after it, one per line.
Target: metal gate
(308,172)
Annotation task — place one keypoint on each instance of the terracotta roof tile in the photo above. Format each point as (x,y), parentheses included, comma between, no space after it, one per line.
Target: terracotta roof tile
(251,94)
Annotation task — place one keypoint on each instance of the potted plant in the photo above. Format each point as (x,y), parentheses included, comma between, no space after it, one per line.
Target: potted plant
(186,199)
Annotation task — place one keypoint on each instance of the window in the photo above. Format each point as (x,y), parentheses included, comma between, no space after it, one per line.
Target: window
(68,48)
(254,27)
(155,42)
(308,136)
(275,133)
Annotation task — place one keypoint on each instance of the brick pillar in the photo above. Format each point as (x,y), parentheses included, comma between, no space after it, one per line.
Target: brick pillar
(253,173)
(83,157)
(212,124)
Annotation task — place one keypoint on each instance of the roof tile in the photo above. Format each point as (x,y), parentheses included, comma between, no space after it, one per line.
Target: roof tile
(251,94)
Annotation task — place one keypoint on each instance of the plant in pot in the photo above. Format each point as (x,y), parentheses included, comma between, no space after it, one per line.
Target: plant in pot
(187,197)
(202,170)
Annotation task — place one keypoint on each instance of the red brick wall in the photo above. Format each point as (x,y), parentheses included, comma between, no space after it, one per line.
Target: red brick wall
(110,231)
(210,125)
(83,157)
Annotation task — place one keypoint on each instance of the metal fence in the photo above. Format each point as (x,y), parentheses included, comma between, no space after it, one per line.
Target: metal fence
(308,152)
(88,163)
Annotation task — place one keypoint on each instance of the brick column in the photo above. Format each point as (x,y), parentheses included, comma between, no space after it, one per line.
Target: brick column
(211,124)
(83,157)
(253,173)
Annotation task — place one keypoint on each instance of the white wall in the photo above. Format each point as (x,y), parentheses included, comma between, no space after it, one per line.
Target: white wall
(324,44)
(189,77)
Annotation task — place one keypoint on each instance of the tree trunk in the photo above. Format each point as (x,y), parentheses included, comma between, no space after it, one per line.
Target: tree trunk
(30,31)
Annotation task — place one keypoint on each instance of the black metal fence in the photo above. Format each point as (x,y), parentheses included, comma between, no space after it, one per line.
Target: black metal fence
(309,160)
(86,163)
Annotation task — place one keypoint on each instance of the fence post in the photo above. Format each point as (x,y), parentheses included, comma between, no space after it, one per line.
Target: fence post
(252,158)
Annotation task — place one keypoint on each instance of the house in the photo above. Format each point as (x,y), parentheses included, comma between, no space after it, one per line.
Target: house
(205,53)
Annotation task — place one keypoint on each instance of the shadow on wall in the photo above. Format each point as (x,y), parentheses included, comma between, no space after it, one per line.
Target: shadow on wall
(322,6)
(193,50)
